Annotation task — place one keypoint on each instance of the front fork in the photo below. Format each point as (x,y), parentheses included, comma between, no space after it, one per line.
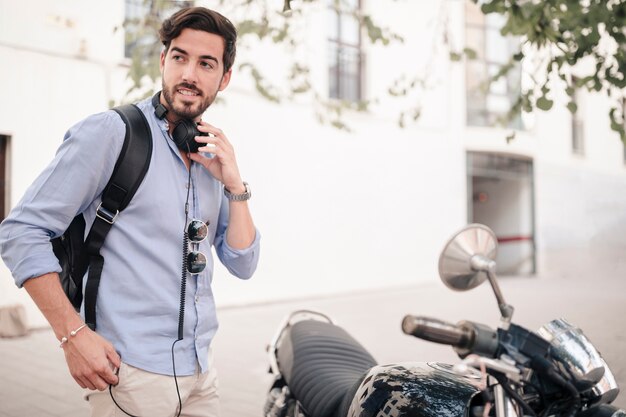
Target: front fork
(280,402)
(276,403)
(504,405)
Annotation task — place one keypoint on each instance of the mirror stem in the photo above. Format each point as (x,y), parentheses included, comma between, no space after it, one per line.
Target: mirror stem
(482,263)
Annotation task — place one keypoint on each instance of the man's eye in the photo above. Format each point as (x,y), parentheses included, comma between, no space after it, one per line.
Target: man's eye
(207,65)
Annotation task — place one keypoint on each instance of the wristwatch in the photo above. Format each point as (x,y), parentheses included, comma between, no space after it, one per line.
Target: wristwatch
(238,197)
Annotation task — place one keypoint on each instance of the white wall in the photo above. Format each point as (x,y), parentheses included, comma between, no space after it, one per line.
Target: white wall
(338,211)
(580,201)
(59,62)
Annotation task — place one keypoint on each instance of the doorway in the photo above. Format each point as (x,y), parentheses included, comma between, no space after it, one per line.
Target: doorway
(501,196)
(4,176)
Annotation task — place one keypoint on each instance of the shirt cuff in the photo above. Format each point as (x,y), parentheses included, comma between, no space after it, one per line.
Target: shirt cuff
(34,266)
(235,253)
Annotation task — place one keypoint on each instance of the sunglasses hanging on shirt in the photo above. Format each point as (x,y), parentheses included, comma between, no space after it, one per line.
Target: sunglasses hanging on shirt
(197,231)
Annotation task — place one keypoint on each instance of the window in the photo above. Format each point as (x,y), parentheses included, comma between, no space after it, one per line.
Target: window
(135,11)
(4,177)
(344,48)
(489,102)
(138,37)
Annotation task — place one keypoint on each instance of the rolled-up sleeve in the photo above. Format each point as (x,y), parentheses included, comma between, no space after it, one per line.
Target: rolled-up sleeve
(68,185)
(242,263)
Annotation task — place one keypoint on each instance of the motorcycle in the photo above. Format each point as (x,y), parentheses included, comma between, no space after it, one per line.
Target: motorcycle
(321,371)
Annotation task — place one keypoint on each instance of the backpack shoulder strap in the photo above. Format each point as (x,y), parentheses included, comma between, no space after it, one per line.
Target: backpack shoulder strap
(133,162)
(128,173)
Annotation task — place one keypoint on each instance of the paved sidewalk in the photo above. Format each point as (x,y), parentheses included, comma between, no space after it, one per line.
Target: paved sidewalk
(35,381)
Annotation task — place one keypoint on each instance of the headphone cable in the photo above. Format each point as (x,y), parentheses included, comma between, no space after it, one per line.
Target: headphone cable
(181,313)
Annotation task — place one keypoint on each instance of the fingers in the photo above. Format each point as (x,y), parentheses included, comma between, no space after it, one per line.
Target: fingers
(208,144)
(216,137)
(213,142)
(95,379)
(104,377)
(84,382)
(218,147)
(93,382)
(91,361)
(207,128)
(201,159)
(114,357)
(223,164)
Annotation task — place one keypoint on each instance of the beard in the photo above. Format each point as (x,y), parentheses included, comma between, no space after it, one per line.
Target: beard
(185,109)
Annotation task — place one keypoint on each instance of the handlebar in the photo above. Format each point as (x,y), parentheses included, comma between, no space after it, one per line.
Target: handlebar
(466,337)
(437,331)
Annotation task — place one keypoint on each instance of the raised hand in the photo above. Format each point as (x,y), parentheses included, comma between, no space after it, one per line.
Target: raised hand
(223,164)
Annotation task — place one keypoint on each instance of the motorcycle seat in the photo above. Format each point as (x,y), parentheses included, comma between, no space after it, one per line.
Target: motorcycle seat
(323,366)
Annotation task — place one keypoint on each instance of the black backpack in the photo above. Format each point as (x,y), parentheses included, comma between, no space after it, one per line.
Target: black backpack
(75,254)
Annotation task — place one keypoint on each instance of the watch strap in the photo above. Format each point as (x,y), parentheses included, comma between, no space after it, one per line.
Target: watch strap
(238,197)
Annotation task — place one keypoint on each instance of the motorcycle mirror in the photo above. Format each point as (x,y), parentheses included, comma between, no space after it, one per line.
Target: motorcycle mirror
(468,259)
(455,266)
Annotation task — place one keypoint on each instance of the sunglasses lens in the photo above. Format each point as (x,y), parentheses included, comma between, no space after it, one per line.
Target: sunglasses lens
(197,231)
(196,262)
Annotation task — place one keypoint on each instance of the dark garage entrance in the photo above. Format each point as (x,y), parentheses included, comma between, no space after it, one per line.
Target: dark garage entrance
(501,196)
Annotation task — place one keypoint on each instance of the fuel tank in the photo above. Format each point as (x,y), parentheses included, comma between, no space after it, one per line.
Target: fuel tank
(415,389)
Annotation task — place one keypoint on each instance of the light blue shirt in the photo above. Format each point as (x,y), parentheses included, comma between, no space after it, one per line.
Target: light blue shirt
(139,294)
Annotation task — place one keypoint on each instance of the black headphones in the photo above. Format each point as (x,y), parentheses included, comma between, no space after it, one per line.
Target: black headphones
(184,132)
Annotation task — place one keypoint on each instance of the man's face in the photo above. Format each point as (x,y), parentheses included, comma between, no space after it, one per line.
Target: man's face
(193,73)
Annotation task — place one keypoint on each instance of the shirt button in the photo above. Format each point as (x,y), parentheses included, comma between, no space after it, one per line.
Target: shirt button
(197,299)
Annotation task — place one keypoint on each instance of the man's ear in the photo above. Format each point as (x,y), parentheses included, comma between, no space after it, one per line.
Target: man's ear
(162,62)
(225,79)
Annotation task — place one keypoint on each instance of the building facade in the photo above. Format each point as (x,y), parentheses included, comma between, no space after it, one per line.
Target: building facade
(344,211)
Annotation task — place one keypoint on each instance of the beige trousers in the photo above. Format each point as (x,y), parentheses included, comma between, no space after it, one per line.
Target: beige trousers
(145,394)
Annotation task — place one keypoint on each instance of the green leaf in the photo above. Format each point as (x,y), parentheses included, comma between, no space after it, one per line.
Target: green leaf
(340,125)
(572,107)
(401,122)
(544,104)
(487,8)
(510,137)
(417,112)
(470,53)
(377,33)
(528,10)
(527,105)
(580,82)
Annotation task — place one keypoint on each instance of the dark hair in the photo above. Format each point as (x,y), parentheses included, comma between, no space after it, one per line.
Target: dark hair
(207,20)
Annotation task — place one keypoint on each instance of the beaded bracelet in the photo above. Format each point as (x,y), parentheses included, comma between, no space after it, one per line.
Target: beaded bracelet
(64,339)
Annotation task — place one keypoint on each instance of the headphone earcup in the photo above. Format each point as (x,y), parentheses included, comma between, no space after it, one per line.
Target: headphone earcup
(159,110)
(184,136)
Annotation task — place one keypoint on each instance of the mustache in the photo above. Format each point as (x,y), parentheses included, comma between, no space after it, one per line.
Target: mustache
(189,87)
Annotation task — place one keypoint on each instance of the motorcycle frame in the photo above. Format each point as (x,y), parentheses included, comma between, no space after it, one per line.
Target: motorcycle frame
(294,317)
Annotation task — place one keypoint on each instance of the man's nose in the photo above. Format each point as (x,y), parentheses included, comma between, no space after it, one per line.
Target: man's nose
(190,73)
